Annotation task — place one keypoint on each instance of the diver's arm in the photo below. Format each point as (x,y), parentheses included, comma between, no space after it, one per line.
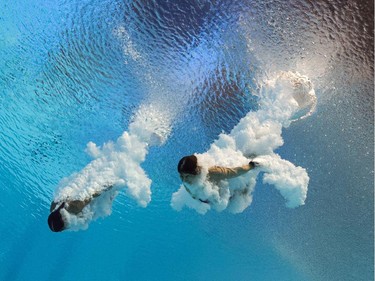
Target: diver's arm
(218,173)
(98,193)
(76,206)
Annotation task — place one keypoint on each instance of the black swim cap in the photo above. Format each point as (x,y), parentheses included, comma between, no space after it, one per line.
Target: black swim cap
(55,220)
(188,165)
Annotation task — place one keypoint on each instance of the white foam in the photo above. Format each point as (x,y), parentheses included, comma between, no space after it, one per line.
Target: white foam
(116,164)
(259,133)
(128,47)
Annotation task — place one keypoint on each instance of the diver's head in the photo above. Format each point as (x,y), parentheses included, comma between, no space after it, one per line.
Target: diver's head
(188,165)
(188,168)
(55,220)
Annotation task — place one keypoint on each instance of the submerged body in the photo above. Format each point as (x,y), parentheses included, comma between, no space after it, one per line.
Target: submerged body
(190,172)
(57,221)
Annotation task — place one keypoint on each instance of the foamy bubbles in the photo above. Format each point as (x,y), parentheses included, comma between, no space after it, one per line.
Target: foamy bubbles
(116,165)
(287,97)
(128,46)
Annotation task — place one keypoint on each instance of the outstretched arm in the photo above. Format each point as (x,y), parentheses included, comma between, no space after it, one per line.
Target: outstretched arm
(218,173)
(76,206)
(98,193)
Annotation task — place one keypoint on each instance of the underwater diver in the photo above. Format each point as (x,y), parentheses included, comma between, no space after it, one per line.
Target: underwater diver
(189,171)
(57,221)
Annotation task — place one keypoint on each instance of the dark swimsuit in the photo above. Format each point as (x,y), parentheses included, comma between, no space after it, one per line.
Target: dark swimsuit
(191,194)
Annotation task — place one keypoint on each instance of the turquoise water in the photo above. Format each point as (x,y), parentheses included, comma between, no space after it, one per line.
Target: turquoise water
(72,72)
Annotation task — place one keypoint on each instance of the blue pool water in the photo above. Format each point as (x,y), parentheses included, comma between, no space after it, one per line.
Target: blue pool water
(74,72)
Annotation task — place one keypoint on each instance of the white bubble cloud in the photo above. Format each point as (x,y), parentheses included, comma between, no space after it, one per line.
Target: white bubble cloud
(284,99)
(116,164)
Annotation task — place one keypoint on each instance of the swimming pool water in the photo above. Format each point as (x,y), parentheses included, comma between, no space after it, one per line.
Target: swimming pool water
(72,72)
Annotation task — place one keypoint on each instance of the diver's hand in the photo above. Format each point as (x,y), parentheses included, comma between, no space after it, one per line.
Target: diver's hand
(253,164)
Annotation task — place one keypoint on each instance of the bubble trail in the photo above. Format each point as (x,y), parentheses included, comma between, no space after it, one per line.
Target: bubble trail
(286,98)
(117,165)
